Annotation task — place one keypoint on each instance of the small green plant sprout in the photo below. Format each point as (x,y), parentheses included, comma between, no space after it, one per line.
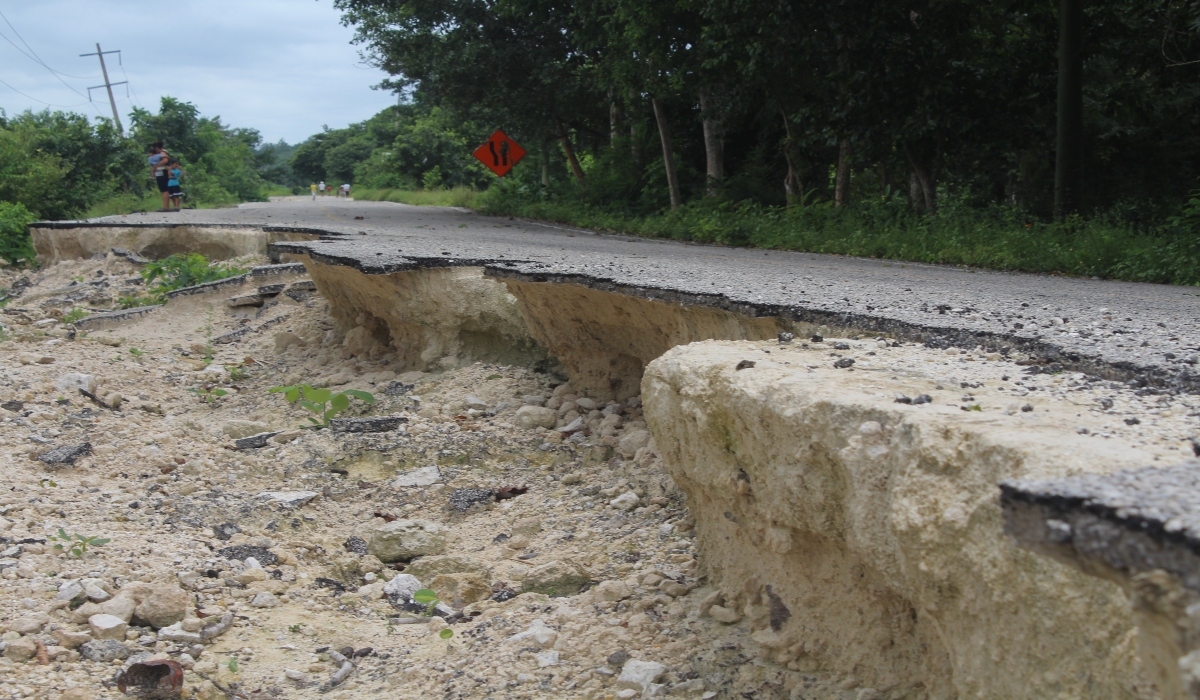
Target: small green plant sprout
(76,545)
(428,598)
(446,633)
(74,315)
(208,393)
(295,629)
(323,402)
(232,665)
(47,483)
(237,372)
(136,353)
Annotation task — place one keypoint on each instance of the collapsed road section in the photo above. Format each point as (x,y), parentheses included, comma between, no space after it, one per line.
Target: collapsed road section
(843,470)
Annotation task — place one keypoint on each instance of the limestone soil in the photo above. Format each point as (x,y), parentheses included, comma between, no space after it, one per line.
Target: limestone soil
(584,584)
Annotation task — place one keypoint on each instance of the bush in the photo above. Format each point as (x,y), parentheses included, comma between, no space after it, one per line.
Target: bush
(15,243)
(997,237)
(179,271)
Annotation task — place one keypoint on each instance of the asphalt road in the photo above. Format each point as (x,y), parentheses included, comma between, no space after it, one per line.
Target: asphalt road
(1130,329)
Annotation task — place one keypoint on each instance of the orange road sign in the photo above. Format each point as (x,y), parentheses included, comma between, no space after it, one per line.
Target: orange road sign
(499,153)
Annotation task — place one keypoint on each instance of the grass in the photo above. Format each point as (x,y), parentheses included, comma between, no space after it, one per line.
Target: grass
(999,238)
(455,197)
(150,202)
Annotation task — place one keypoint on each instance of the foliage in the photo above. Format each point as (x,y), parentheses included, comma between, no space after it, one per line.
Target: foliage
(958,234)
(209,393)
(74,315)
(76,545)
(402,147)
(427,597)
(922,107)
(62,165)
(456,197)
(15,244)
(323,402)
(185,270)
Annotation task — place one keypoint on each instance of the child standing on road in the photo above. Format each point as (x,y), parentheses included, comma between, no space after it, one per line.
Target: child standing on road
(175,173)
(313,189)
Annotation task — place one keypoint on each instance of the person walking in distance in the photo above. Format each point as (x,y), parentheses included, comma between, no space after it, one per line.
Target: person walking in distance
(158,170)
(321,187)
(174,175)
(313,188)
(346,190)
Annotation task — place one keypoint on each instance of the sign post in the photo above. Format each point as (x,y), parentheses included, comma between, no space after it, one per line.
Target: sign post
(499,153)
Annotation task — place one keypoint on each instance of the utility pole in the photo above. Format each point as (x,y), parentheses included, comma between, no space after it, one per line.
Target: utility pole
(107,85)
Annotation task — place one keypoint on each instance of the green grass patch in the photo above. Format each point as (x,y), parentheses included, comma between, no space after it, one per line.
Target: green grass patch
(150,202)
(999,238)
(454,197)
(185,270)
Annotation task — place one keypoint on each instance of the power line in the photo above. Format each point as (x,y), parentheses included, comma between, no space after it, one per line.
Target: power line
(48,104)
(35,57)
(129,86)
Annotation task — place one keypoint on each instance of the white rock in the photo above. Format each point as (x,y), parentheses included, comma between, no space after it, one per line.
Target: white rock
(586,404)
(252,563)
(401,587)
(529,417)
(289,499)
(546,658)
(176,633)
(107,627)
(632,441)
(626,501)
(640,675)
(294,675)
(95,593)
(69,384)
(612,591)
(475,402)
(425,476)
(264,599)
(538,632)
(405,539)
(574,426)
(69,591)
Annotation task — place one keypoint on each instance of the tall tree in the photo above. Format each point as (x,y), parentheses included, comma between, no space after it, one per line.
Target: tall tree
(1068,166)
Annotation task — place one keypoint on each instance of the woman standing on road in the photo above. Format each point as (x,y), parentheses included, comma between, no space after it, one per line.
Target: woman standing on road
(158,170)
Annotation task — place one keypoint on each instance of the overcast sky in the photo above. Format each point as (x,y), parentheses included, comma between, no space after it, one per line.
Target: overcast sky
(284,67)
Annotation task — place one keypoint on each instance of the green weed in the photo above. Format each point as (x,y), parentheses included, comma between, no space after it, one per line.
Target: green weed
(323,402)
(16,246)
(185,270)
(209,394)
(76,545)
(74,315)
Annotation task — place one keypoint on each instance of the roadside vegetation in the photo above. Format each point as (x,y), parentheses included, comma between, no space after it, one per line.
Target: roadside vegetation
(860,129)
(453,197)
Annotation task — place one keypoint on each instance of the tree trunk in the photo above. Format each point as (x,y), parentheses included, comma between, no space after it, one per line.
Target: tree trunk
(714,145)
(634,151)
(921,157)
(1068,164)
(841,191)
(793,186)
(664,135)
(615,117)
(545,164)
(915,196)
(567,149)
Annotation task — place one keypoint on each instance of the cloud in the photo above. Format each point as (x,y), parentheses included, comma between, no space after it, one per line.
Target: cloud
(284,67)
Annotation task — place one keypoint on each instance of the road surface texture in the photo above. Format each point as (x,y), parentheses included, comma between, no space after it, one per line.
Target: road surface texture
(1144,333)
